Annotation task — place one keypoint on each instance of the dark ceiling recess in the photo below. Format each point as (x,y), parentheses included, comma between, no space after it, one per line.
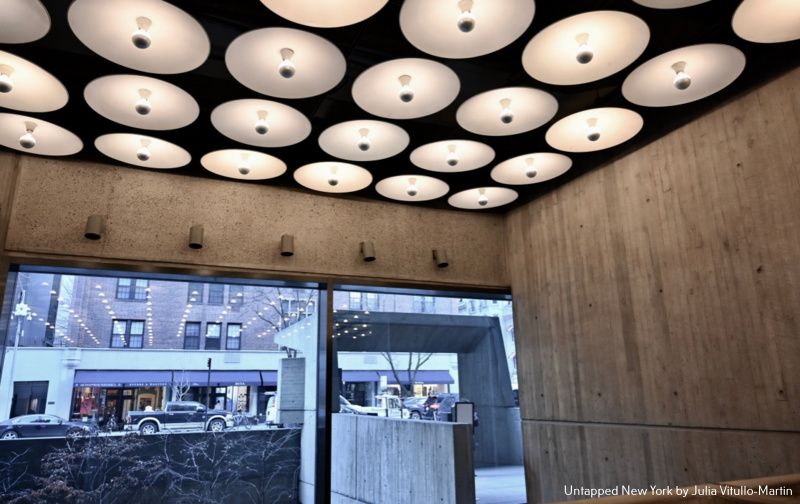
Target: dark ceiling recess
(379,39)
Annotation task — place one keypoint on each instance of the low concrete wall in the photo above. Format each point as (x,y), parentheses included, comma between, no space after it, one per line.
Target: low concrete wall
(384,460)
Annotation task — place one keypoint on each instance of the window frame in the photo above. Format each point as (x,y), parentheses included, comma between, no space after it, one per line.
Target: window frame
(193,338)
(217,339)
(134,291)
(127,335)
(209,299)
(228,337)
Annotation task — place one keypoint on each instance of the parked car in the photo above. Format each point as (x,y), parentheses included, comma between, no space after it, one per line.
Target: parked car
(34,426)
(415,407)
(439,407)
(179,415)
(385,405)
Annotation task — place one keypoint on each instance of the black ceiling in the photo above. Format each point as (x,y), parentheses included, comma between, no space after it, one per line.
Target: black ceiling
(379,39)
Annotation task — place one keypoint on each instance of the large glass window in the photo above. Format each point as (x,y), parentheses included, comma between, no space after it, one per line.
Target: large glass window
(233,339)
(213,334)
(194,292)
(127,333)
(235,297)
(191,338)
(132,288)
(216,294)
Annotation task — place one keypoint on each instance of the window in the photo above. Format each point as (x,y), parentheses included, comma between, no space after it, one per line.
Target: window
(235,297)
(372,301)
(195,293)
(132,288)
(213,333)
(216,293)
(127,333)
(424,304)
(191,336)
(234,337)
(355,300)
(29,397)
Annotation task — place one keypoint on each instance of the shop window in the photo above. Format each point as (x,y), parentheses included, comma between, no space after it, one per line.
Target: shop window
(29,398)
(213,334)
(195,293)
(132,288)
(216,293)
(235,297)
(233,340)
(127,333)
(191,336)
(424,304)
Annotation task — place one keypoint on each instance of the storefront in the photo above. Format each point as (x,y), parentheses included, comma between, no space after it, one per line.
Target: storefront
(360,387)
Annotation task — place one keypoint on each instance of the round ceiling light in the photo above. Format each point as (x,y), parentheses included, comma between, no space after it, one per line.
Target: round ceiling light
(531,168)
(141,102)
(148,35)
(333,177)
(482,198)
(669,4)
(363,140)
(683,75)
(412,188)
(464,28)
(594,129)
(142,150)
(243,164)
(405,88)
(285,62)
(451,156)
(585,47)
(261,123)
(34,136)
(506,111)
(23,21)
(767,21)
(28,87)
(326,14)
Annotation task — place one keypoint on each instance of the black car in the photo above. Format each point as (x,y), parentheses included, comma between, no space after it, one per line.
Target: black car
(35,426)
(415,406)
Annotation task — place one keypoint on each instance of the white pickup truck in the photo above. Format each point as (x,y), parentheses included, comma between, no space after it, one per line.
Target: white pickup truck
(385,405)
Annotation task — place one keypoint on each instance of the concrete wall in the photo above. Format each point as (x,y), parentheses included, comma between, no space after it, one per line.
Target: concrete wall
(656,307)
(149,214)
(384,460)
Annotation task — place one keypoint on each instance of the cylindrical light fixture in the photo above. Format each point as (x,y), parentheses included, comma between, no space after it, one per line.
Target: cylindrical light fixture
(440,258)
(287,245)
(95,225)
(196,236)
(368,251)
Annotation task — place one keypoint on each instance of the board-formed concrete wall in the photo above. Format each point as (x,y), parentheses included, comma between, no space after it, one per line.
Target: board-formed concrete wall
(384,460)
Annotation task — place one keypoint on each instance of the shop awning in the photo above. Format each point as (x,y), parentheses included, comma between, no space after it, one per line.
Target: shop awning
(85,378)
(269,377)
(423,376)
(220,378)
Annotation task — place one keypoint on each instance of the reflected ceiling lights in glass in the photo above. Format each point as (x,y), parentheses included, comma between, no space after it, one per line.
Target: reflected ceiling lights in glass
(148,35)
(464,28)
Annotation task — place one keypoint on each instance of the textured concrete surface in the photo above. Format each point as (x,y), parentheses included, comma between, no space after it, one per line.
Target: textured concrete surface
(500,485)
(148,215)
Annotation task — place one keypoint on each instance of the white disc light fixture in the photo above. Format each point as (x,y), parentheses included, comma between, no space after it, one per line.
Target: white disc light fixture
(333,177)
(451,156)
(405,88)
(767,21)
(594,129)
(482,198)
(285,62)
(464,28)
(35,136)
(23,21)
(148,35)
(585,47)
(28,87)
(261,123)
(683,75)
(243,164)
(506,111)
(412,188)
(325,14)
(363,140)
(531,168)
(141,150)
(669,4)
(141,102)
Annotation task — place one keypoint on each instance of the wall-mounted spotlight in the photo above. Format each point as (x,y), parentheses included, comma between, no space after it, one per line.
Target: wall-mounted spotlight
(196,236)
(440,258)
(287,245)
(95,225)
(368,251)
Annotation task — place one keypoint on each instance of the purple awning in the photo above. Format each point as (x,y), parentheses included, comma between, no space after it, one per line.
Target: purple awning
(219,378)
(269,377)
(85,378)
(423,376)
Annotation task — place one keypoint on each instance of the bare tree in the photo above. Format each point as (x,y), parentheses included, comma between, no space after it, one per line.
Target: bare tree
(415,361)
(276,309)
(181,386)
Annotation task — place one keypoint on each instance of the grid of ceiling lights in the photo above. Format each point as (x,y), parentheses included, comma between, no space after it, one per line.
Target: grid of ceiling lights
(156,37)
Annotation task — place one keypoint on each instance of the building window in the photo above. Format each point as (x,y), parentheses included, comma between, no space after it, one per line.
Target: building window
(213,333)
(216,293)
(191,336)
(29,398)
(195,293)
(372,301)
(233,340)
(355,300)
(132,288)
(127,334)
(424,304)
(235,297)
